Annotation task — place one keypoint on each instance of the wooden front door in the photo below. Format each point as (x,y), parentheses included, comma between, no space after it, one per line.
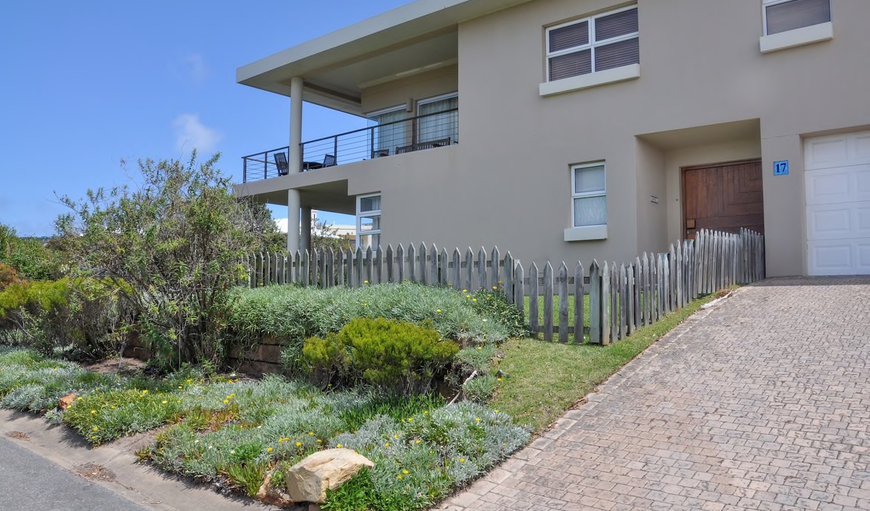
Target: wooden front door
(723,197)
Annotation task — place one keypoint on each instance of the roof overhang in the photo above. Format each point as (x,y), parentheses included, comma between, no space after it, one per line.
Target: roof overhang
(412,39)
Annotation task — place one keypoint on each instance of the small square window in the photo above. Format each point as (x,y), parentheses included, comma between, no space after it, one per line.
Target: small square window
(784,15)
(589,194)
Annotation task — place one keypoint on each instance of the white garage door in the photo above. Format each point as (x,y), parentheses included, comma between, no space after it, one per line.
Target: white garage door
(838,204)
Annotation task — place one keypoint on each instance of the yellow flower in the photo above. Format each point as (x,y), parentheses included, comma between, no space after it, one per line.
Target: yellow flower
(310,433)
(418,441)
(387,444)
(500,379)
(339,446)
(439,311)
(461,460)
(298,444)
(396,436)
(405,472)
(270,450)
(410,419)
(181,386)
(164,402)
(93,412)
(144,392)
(474,300)
(495,288)
(464,290)
(96,428)
(400,477)
(477,420)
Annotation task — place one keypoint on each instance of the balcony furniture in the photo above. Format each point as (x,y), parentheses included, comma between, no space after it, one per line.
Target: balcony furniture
(281,163)
(380,153)
(419,146)
(328,161)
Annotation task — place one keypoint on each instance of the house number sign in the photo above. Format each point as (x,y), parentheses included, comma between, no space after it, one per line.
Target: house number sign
(780,168)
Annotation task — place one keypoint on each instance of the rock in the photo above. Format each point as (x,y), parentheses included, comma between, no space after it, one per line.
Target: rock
(273,496)
(67,401)
(308,480)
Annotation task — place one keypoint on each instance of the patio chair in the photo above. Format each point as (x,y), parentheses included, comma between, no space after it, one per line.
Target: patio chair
(329,160)
(281,163)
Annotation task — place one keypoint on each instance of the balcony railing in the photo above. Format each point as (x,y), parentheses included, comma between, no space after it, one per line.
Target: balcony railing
(407,135)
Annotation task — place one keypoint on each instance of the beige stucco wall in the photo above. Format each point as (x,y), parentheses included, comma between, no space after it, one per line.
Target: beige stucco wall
(508,183)
(410,90)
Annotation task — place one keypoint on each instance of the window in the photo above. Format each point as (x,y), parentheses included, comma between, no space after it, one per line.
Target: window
(389,133)
(784,15)
(598,43)
(368,221)
(588,186)
(438,126)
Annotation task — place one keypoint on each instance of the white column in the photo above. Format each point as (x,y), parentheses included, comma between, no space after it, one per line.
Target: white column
(296,124)
(305,238)
(295,164)
(292,220)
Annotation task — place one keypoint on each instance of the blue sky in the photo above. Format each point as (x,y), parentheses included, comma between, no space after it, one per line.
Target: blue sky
(88,84)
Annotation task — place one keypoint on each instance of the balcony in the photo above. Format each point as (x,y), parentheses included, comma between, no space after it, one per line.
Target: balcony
(382,140)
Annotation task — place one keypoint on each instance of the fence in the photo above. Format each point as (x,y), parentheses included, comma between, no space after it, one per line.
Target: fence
(619,298)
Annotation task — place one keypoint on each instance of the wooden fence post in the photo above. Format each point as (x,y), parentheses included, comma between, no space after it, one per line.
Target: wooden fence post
(548,302)
(563,303)
(605,304)
(595,303)
(519,288)
(534,292)
(579,304)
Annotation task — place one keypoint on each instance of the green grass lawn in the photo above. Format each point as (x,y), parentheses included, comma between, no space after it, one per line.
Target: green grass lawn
(556,302)
(544,379)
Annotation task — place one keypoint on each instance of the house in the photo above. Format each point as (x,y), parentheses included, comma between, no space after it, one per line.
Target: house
(581,129)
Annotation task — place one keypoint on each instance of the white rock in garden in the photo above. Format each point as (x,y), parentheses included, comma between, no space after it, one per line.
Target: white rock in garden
(308,480)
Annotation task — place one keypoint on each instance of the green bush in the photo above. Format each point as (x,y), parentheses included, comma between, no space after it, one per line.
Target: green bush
(493,304)
(81,316)
(387,354)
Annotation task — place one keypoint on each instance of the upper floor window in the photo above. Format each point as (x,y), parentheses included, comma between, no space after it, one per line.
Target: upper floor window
(440,119)
(784,15)
(606,41)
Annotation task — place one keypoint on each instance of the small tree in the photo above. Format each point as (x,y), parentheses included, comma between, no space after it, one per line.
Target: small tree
(178,240)
(324,236)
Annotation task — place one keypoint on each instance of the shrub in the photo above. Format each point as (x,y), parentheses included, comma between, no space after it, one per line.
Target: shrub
(178,239)
(383,353)
(82,316)
(493,304)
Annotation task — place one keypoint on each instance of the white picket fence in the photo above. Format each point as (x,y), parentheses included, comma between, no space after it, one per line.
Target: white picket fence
(622,298)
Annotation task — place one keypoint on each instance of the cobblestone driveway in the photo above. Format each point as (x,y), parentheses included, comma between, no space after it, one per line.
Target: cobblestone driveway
(760,403)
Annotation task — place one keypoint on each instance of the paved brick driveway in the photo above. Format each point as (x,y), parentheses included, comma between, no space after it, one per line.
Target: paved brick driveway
(760,403)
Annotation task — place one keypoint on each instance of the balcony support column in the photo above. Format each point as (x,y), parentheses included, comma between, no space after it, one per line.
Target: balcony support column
(295,124)
(294,201)
(305,231)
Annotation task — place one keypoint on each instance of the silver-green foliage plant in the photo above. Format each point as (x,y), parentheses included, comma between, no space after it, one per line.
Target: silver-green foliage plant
(290,314)
(178,239)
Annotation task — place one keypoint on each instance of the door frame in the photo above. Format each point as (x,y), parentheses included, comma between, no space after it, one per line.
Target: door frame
(683,171)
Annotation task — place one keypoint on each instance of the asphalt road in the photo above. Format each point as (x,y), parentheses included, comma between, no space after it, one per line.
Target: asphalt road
(28,482)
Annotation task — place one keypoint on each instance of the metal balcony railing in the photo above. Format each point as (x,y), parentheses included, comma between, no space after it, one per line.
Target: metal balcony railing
(380,141)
